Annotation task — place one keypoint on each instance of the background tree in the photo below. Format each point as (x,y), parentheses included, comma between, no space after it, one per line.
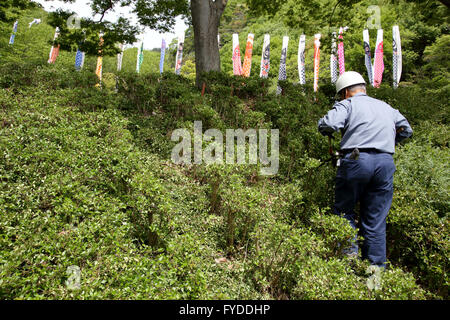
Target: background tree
(308,16)
(14,6)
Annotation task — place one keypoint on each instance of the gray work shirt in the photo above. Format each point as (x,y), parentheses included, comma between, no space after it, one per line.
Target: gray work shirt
(366,123)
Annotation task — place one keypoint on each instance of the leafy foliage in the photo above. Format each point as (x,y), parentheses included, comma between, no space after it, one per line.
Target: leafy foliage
(86,180)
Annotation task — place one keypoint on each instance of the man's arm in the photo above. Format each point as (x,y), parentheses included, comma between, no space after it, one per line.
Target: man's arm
(402,128)
(335,119)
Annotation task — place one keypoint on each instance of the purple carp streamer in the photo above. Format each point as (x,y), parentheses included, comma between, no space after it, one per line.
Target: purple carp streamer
(13,34)
(163,54)
(378,67)
(333,59)
(237,66)
(396,56)
(179,58)
(368,56)
(265,58)
(282,70)
(301,59)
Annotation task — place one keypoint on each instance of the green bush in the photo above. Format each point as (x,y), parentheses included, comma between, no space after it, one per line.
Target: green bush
(86,180)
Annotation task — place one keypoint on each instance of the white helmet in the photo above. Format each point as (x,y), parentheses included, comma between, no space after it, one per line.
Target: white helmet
(348,79)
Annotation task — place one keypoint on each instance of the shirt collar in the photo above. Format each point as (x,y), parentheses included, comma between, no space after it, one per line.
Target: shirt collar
(360,94)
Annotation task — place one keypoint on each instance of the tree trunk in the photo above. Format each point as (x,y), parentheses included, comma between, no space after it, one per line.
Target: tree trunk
(206,19)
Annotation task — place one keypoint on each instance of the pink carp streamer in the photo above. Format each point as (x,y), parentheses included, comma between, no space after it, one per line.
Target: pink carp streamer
(54,51)
(378,67)
(237,66)
(248,56)
(341,50)
(316,60)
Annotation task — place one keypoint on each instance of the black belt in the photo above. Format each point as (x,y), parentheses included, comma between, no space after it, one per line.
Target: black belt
(346,151)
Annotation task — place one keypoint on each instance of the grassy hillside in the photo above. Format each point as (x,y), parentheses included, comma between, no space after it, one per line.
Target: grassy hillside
(86,179)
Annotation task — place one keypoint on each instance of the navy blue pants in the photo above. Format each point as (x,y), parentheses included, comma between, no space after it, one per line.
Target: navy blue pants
(368,180)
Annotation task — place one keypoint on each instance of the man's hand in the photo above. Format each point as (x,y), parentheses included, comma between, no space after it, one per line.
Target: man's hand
(329,135)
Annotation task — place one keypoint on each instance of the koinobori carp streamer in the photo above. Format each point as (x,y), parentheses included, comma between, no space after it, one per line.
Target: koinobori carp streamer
(282,70)
(163,54)
(120,57)
(368,56)
(265,57)
(54,51)
(237,66)
(99,68)
(316,60)
(13,34)
(396,56)
(179,58)
(378,64)
(140,57)
(248,56)
(301,59)
(341,56)
(333,59)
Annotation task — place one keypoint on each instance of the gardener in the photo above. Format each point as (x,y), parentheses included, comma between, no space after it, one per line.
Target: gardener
(371,128)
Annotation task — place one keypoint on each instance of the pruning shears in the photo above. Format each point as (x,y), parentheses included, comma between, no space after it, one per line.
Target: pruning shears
(335,155)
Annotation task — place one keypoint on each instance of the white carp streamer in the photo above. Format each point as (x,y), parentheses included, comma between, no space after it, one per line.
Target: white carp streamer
(301,59)
(140,57)
(13,34)
(120,57)
(368,56)
(179,58)
(35,21)
(282,70)
(163,54)
(396,56)
(265,58)
(333,59)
